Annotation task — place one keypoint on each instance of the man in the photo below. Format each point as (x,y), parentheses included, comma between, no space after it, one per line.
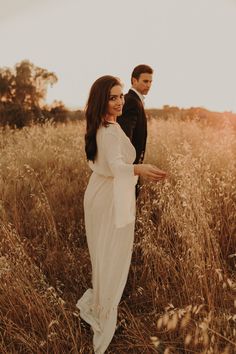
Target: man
(133,119)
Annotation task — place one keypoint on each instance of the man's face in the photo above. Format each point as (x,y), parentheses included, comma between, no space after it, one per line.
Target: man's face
(143,84)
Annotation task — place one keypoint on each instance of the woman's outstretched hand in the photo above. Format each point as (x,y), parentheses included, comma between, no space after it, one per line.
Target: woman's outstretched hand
(150,172)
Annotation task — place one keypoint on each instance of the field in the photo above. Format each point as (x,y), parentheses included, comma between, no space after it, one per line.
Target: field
(181,292)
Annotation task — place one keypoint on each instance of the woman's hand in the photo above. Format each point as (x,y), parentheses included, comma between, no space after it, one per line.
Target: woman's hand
(150,172)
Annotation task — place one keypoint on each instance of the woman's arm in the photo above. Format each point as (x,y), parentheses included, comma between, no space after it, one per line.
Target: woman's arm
(150,172)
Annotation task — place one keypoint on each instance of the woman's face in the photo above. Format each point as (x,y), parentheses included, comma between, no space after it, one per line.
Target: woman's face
(116,102)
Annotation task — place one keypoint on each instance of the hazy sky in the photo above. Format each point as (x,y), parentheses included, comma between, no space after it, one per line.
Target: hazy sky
(189,43)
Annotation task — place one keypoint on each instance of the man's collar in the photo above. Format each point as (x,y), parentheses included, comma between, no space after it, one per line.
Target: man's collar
(139,94)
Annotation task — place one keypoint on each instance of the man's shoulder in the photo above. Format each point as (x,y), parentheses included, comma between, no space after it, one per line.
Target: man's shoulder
(132,100)
(131,95)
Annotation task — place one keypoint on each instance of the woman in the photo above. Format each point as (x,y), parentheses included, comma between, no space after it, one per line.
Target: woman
(109,205)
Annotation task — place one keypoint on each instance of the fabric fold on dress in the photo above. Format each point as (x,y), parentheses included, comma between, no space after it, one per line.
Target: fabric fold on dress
(87,313)
(124,178)
(124,203)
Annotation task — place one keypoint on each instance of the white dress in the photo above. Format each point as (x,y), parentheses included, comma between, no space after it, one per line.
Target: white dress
(109,205)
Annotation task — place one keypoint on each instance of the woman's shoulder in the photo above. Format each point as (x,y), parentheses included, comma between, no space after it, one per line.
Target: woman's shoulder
(111,128)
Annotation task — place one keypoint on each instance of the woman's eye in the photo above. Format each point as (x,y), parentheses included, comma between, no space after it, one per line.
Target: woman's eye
(114,98)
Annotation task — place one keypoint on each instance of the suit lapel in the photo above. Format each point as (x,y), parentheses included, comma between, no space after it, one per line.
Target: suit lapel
(134,94)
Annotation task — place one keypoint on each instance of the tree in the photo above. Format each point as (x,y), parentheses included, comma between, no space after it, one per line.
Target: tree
(32,83)
(58,111)
(22,92)
(6,85)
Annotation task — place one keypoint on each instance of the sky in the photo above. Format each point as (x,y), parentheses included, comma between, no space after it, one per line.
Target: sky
(190,44)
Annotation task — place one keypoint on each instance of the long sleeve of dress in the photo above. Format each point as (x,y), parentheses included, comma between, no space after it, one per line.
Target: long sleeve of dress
(124,179)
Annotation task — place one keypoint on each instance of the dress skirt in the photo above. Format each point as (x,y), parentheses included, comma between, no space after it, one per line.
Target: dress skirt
(110,251)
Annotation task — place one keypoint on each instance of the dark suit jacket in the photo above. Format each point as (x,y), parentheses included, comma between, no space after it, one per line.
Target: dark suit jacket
(134,123)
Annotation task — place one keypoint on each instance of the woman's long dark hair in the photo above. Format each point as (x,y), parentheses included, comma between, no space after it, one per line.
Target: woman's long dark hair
(96,110)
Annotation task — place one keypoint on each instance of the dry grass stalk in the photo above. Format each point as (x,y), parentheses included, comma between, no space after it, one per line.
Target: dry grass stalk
(180,295)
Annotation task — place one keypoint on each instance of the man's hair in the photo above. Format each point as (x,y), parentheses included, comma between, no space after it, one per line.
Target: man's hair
(141,69)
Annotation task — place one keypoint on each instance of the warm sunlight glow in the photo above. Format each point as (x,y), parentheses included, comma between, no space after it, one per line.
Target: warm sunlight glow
(190,45)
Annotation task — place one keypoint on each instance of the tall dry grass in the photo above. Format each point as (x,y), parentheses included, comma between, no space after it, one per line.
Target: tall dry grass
(180,294)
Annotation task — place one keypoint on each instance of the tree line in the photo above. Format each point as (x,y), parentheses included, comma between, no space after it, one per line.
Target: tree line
(23,92)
